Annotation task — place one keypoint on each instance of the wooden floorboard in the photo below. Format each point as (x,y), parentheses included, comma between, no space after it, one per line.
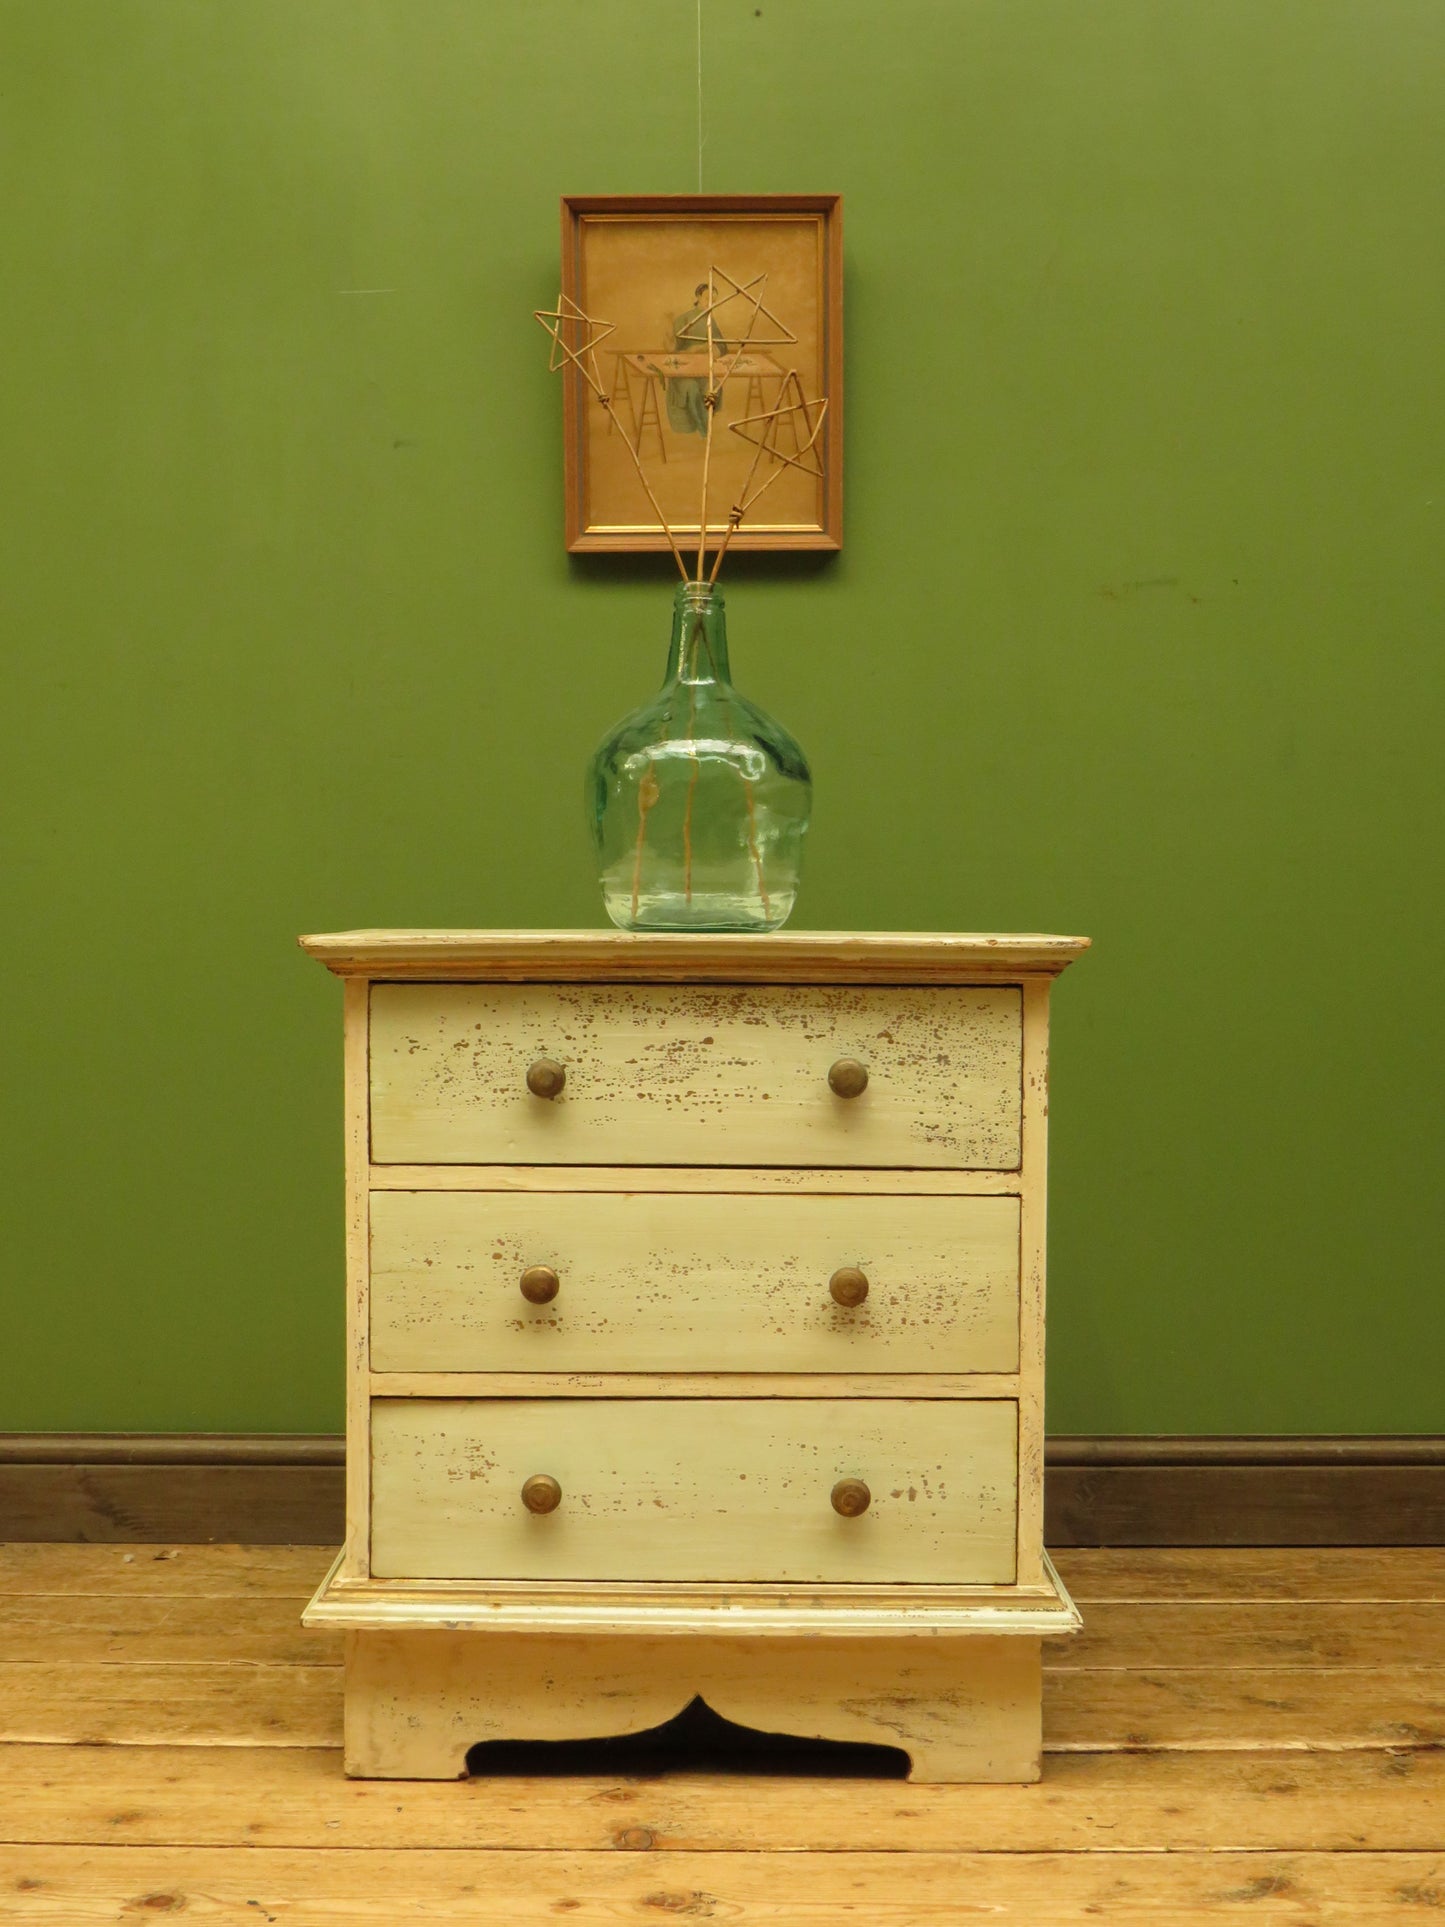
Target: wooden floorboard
(126,1628)
(1247,1734)
(207,1704)
(217,1703)
(1249,1633)
(108,1628)
(1087,1803)
(351,1887)
(1198,1573)
(1379,1574)
(169,1572)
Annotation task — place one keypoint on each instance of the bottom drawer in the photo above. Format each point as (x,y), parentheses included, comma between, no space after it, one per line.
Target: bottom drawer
(695,1489)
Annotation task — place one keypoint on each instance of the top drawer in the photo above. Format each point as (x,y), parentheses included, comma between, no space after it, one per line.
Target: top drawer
(717,1074)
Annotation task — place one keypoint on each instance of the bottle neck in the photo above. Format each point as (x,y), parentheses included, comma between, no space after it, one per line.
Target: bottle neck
(699,648)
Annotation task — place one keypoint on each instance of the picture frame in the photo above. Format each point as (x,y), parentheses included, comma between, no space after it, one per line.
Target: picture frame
(637,263)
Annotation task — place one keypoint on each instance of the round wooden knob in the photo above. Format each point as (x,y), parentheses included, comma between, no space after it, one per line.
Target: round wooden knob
(540,1284)
(546,1077)
(849,1286)
(542,1493)
(850,1497)
(848,1078)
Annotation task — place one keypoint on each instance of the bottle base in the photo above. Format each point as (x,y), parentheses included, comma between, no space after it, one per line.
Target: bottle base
(715,912)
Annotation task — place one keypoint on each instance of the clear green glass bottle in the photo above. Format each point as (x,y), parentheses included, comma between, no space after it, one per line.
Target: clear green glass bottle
(699,801)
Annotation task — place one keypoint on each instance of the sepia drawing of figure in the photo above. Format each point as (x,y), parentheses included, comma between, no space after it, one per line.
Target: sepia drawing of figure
(686,408)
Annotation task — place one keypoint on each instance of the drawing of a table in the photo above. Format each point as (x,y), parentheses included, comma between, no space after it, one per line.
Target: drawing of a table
(638,374)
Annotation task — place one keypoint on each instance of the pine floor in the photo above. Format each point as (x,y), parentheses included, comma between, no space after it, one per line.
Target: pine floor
(1251,1736)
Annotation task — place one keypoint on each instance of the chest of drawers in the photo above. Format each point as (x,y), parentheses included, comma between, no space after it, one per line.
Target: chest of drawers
(695,1295)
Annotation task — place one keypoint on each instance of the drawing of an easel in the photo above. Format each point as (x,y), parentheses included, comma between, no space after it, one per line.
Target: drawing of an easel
(638,375)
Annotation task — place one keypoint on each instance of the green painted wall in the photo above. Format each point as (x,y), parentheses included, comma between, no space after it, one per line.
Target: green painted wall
(1137,631)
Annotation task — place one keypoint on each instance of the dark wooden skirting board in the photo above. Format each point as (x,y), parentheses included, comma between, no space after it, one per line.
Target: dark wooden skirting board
(286,1489)
(1245,1491)
(258,1489)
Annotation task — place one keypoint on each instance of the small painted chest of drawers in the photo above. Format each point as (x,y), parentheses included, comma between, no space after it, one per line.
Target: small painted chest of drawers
(695,1340)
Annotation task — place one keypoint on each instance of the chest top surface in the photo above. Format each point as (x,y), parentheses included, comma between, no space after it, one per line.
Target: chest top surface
(822,956)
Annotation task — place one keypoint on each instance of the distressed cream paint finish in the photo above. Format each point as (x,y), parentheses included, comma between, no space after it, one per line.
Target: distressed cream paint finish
(725,1282)
(690,1489)
(716,1074)
(691,957)
(963,1709)
(623,1609)
(693,1388)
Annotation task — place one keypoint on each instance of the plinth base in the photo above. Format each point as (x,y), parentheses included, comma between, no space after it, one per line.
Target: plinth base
(961,1708)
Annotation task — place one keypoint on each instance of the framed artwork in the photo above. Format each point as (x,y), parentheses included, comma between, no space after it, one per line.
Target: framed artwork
(736,297)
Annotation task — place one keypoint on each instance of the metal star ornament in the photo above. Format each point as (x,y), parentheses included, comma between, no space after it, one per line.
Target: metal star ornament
(583,355)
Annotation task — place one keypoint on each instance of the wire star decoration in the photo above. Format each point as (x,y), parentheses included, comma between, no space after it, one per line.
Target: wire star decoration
(581,355)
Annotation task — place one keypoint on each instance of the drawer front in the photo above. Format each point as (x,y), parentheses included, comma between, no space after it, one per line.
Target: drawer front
(695,1489)
(696,1074)
(712,1283)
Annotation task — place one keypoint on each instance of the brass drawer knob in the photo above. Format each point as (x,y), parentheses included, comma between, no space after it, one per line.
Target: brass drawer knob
(850,1497)
(540,1284)
(848,1285)
(541,1493)
(546,1077)
(848,1078)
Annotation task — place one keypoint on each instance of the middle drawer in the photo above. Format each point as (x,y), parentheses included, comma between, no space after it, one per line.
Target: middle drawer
(732,1282)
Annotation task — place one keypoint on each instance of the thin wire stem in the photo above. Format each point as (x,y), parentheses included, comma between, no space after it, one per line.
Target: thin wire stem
(692,781)
(739,509)
(745,500)
(606,401)
(711,400)
(647,794)
(710,403)
(579,357)
(754,850)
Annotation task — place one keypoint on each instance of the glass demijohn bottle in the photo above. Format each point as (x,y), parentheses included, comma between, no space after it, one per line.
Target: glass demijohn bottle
(699,801)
